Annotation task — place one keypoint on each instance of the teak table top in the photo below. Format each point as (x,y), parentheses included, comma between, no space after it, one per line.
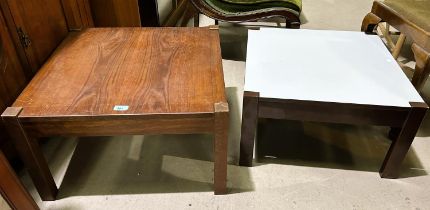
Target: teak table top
(129,71)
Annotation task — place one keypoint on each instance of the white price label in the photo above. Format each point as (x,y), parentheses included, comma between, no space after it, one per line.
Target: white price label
(120,108)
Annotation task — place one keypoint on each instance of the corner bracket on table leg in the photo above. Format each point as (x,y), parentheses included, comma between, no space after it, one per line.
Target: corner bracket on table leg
(399,147)
(31,154)
(220,147)
(249,127)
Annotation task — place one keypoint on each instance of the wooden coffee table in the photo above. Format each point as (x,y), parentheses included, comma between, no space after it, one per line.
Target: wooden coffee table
(124,81)
(328,76)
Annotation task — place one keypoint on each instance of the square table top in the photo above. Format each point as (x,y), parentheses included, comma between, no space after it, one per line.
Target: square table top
(129,71)
(325,66)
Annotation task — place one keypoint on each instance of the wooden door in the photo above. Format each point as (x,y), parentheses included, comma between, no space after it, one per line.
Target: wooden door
(39,27)
(12,80)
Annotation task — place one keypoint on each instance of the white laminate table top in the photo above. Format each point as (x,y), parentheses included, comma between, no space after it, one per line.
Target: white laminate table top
(327,66)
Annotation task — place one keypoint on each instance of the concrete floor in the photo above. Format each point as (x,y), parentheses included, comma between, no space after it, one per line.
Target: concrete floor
(3,204)
(301,165)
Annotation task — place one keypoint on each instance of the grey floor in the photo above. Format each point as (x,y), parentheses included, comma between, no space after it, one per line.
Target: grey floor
(301,165)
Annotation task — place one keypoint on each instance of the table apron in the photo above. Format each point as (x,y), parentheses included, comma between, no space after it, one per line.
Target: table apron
(334,113)
(105,127)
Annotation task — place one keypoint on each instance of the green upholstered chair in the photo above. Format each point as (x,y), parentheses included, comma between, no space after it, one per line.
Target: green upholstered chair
(250,10)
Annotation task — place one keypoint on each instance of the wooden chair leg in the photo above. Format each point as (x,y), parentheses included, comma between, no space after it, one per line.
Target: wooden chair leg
(399,147)
(249,127)
(292,25)
(295,25)
(196,18)
(176,14)
(385,31)
(370,22)
(31,154)
(188,14)
(422,67)
(220,148)
(399,45)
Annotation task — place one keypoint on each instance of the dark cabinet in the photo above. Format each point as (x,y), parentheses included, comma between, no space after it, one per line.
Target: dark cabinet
(12,80)
(30,30)
(114,13)
(38,27)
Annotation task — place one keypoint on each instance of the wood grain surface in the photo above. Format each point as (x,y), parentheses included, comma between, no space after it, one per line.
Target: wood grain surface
(150,70)
(44,23)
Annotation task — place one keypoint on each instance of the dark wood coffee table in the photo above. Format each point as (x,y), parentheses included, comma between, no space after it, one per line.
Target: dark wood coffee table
(328,76)
(124,81)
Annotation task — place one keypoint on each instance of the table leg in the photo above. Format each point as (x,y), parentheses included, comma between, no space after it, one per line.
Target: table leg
(31,154)
(196,18)
(394,133)
(399,147)
(370,22)
(249,127)
(422,66)
(220,148)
